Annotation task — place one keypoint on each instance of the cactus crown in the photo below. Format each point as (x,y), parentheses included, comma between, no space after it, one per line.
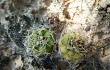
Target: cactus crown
(69,44)
(41,41)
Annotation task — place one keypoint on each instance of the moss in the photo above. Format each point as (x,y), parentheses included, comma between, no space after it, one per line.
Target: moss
(41,41)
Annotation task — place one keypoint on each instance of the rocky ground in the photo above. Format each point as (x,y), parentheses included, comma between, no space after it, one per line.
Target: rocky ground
(89,18)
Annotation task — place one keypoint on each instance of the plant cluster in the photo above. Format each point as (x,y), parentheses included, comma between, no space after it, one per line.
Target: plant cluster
(41,42)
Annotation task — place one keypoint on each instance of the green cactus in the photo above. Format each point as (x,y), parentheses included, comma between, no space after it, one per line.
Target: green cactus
(68,46)
(41,41)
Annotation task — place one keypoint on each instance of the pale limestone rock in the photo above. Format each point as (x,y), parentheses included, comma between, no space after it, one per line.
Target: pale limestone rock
(16,62)
(104,3)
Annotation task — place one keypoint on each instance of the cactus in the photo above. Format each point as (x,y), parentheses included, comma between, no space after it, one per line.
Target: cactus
(68,46)
(41,41)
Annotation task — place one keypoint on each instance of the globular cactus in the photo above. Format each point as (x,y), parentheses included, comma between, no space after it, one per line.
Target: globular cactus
(68,46)
(41,41)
